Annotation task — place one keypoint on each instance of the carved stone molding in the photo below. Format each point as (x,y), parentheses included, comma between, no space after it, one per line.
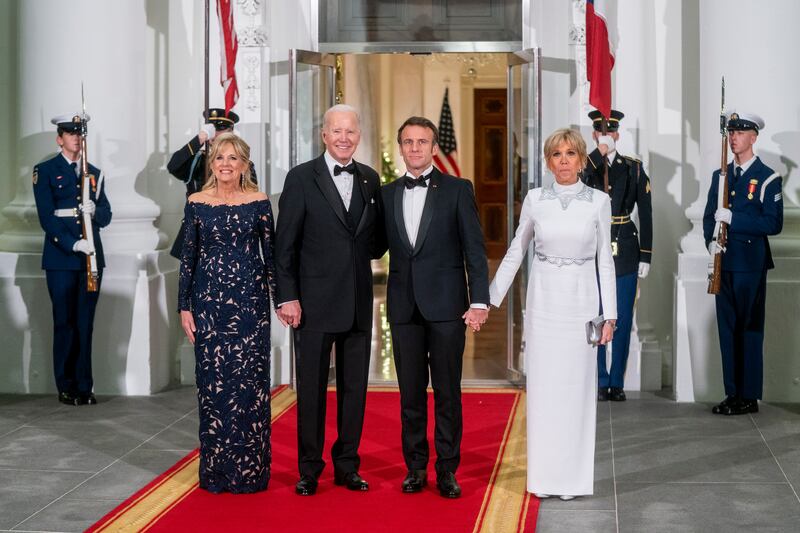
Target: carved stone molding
(251,32)
(250,7)
(253,36)
(577,34)
(252,83)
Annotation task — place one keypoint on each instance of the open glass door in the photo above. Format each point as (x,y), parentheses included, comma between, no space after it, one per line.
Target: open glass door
(312,91)
(524,153)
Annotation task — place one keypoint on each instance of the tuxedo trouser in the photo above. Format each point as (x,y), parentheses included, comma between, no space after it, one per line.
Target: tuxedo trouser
(626,296)
(312,363)
(420,345)
(73,319)
(740,321)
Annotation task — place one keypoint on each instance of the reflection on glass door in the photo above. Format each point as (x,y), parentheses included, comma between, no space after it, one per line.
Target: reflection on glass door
(311,92)
(523,160)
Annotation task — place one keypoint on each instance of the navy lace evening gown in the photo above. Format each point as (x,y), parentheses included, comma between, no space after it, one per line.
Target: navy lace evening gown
(228,287)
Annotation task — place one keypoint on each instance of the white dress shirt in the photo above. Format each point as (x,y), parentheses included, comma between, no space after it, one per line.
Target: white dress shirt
(413,203)
(744,166)
(343,182)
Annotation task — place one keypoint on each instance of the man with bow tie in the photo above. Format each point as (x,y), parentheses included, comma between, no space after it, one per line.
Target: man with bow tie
(432,231)
(324,242)
(755,200)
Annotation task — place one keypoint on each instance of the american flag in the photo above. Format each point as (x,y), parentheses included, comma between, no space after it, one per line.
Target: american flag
(447,158)
(229,48)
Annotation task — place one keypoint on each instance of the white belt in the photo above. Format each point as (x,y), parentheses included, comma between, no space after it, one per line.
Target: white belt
(72,212)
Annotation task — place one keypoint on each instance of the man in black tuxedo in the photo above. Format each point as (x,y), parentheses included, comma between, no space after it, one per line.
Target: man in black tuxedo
(432,231)
(325,238)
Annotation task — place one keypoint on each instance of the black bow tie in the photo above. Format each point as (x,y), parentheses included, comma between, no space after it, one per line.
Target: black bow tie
(351,168)
(412,182)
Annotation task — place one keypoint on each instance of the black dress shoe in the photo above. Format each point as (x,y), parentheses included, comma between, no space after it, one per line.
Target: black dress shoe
(351,480)
(86,399)
(307,486)
(742,407)
(447,485)
(602,394)
(724,407)
(67,398)
(617,394)
(415,481)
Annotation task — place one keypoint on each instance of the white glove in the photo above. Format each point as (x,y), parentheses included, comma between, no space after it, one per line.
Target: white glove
(714,247)
(208,131)
(723,215)
(608,140)
(89,207)
(83,246)
(644,270)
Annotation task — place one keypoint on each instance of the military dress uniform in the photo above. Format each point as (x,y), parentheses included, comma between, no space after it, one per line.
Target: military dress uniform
(57,190)
(755,200)
(628,187)
(188,164)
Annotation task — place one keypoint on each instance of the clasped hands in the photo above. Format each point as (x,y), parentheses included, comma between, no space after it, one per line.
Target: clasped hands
(475,318)
(290,313)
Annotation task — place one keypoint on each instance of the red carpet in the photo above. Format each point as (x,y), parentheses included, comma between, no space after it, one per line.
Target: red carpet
(489,420)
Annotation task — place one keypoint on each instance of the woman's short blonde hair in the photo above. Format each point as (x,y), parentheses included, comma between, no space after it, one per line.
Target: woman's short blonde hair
(242,150)
(572,138)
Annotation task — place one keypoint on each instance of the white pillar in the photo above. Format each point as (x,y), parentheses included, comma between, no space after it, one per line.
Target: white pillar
(102,45)
(750,72)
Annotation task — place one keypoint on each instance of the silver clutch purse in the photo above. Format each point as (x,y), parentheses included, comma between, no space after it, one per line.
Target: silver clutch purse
(594,330)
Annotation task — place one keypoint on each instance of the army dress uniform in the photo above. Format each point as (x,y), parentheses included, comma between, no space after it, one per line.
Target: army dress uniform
(57,190)
(629,187)
(188,164)
(755,200)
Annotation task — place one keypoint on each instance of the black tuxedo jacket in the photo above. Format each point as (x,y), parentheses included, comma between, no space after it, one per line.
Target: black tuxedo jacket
(322,260)
(431,275)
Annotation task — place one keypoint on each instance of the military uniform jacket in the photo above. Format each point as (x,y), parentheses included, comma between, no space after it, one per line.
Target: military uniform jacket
(756,202)
(628,186)
(55,186)
(189,165)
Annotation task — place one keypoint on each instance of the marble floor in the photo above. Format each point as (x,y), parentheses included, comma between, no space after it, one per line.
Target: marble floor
(660,466)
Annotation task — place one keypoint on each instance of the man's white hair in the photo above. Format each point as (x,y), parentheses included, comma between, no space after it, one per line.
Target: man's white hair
(340,108)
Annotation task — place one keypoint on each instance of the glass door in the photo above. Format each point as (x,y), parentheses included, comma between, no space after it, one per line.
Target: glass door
(524,163)
(312,91)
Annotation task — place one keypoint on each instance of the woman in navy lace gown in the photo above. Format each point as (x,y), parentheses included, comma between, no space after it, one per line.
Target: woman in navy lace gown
(224,300)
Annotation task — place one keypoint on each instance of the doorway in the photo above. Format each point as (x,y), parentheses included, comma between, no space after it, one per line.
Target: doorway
(493,97)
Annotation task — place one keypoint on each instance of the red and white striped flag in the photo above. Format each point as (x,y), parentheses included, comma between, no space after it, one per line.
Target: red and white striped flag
(601,44)
(229,46)
(447,158)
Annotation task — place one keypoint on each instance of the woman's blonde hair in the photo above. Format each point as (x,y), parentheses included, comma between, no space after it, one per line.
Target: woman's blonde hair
(572,138)
(242,151)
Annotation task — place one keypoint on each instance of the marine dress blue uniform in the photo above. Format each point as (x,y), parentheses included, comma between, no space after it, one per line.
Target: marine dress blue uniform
(756,203)
(56,187)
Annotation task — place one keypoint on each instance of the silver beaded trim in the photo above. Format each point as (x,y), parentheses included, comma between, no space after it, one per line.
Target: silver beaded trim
(562,261)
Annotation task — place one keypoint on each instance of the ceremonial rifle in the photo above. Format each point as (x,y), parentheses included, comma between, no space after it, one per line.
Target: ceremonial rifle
(715,272)
(88,185)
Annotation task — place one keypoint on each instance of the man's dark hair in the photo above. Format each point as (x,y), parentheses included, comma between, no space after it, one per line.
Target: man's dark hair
(419,121)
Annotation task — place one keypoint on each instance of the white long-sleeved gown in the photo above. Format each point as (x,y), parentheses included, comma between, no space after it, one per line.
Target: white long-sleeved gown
(570,226)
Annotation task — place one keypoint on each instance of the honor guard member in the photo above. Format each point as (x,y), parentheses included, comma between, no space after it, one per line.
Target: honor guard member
(755,200)
(57,189)
(188,164)
(628,187)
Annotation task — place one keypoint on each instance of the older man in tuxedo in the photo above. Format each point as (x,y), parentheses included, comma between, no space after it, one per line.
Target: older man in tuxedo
(325,239)
(433,232)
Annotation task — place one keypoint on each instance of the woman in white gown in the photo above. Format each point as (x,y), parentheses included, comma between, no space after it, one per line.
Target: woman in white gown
(570,226)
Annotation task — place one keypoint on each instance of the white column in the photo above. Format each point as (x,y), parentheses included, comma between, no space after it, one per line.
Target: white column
(102,45)
(750,73)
